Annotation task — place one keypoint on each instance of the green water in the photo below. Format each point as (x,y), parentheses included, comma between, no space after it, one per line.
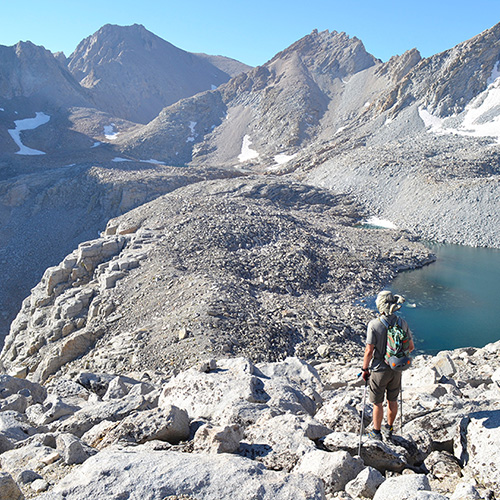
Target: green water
(454,302)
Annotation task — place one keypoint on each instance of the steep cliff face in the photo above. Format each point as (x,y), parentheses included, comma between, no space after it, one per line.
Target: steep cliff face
(133,74)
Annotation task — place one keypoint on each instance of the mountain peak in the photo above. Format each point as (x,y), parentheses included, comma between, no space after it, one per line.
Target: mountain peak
(117,63)
(329,53)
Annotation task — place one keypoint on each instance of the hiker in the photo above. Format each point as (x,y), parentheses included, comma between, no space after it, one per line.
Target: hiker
(383,380)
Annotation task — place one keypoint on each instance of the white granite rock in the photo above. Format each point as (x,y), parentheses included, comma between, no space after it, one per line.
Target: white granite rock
(169,424)
(403,487)
(336,469)
(142,474)
(365,484)
(212,439)
(482,448)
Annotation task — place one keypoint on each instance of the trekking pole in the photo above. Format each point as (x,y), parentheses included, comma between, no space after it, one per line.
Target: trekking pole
(401,405)
(362,424)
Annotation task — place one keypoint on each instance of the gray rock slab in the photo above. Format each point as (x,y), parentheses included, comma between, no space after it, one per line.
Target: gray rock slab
(114,410)
(12,385)
(377,454)
(9,490)
(14,427)
(145,475)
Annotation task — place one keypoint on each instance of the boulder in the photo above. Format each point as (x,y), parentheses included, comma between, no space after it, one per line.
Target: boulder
(169,424)
(212,439)
(142,474)
(342,412)
(376,454)
(114,410)
(14,402)
(482,438)
(465,491)
(215,391)
(335,469)
(9,490)
(72,450)
(279,441)
(52,409)
(365,484)
(33,456)
(404,487)
(27,476)
(12,385)
(13,426)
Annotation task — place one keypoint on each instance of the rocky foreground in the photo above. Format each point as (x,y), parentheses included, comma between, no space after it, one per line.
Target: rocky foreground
(234,429)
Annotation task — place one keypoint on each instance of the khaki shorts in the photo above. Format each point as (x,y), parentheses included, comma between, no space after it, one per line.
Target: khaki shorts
(382,383)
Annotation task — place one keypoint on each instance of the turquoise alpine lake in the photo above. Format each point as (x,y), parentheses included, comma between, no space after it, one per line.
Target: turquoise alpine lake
(455,301)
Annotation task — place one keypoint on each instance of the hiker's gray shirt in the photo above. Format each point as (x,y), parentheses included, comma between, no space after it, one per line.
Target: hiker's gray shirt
(377,335)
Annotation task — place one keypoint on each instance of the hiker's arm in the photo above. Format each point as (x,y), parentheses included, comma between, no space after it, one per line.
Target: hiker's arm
(412,345)
(369,349)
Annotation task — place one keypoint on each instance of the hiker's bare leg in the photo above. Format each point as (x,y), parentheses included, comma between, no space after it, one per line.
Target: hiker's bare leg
(392,411)
(378,415)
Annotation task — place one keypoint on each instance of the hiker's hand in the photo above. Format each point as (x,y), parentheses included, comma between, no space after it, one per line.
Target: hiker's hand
(365,375)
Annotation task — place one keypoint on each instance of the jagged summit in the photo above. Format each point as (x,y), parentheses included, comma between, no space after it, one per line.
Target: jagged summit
(134,74)
(446,82)
(330,52)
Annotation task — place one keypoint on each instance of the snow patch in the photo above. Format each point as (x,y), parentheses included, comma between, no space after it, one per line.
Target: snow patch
(193,135)
(378,222)
(480,118)
(153,161)
(339,130)
(495,73)
(1,109)
(98,143)
(27,124)
(433,123)
(118,159)
(110,133)
(246,152)
(214,87)
(282,158)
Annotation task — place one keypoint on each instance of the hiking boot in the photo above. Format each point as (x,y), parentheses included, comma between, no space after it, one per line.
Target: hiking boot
(387,431)
(373,434)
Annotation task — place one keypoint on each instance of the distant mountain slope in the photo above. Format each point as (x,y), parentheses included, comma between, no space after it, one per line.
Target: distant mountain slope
(230,66)
(134,74)
(277,106)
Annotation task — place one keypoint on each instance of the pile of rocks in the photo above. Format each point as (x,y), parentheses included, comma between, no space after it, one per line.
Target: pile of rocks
(231,428)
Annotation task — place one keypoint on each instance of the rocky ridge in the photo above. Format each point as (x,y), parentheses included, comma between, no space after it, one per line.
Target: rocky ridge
(229,428)
(231,267)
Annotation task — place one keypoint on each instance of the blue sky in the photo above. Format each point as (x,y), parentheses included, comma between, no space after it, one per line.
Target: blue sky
(253,31)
